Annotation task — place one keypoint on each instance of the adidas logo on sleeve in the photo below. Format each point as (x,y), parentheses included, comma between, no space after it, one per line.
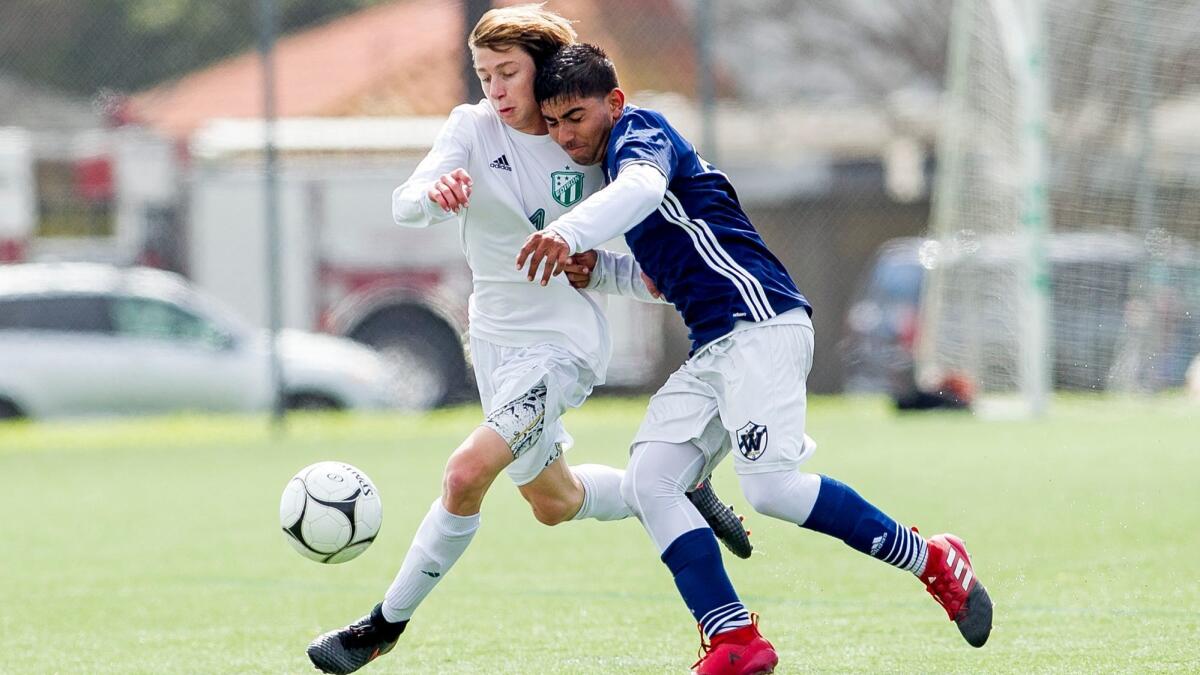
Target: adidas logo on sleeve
(501,163)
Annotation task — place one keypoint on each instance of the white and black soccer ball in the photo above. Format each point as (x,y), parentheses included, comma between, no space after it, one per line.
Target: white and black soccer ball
(330,512)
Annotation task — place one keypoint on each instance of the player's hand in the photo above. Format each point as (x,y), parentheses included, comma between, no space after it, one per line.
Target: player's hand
(452,191)
(651,287)
(545,245)
(579,268)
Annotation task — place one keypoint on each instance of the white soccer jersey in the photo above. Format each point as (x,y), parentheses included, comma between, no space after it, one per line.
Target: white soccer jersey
(520,183)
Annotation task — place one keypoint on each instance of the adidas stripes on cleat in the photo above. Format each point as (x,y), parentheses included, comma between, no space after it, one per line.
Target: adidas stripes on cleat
(347,649)
(950,579)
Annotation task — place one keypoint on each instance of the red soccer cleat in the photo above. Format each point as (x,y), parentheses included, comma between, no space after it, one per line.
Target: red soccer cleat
(738,652)
(951,581)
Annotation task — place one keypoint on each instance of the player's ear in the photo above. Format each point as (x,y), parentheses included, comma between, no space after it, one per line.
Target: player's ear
(616,102)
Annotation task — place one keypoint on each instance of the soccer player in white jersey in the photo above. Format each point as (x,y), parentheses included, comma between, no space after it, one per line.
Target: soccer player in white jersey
(742,387)
(536,351)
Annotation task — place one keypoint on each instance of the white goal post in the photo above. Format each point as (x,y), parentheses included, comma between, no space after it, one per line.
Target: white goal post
(1064,236)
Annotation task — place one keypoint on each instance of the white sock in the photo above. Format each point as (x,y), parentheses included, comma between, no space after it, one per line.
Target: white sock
(439,542)
(601,492)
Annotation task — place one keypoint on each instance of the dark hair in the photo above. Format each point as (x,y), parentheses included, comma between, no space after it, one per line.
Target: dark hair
(575,71)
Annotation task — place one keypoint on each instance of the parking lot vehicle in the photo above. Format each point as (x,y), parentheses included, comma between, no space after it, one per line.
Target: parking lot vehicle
(94,339)
(1097,296)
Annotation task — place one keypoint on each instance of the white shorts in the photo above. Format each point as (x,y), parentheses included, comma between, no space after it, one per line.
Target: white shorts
(744,392)
(512,374)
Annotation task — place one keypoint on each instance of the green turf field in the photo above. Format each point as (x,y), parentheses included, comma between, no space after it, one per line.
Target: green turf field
(154,547)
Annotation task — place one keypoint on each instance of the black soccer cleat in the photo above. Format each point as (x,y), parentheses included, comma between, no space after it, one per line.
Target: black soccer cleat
(725,523)
(975,623)
(347,649)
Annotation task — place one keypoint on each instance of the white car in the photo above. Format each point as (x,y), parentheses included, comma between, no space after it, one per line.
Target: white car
(87,339)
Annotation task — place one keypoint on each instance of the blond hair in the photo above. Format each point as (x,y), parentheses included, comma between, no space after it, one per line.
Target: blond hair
(531,27)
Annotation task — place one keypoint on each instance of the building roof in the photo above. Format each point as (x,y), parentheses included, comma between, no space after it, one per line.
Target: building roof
(406,58)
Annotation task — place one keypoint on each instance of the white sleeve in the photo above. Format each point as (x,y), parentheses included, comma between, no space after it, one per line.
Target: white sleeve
(614,209)
(619,274)
(411,205)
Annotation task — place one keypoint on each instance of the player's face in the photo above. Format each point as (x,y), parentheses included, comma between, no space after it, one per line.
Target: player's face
(581,126)
(507,79)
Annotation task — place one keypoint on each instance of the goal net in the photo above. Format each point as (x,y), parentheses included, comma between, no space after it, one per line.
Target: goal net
(1064,245)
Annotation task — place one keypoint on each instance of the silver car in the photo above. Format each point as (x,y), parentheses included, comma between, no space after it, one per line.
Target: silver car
(88,339)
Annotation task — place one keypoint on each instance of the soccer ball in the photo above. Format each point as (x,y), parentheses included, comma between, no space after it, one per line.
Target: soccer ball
(330,512)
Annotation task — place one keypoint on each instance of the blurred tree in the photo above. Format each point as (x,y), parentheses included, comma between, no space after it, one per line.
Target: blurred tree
(783,50)
(126,45)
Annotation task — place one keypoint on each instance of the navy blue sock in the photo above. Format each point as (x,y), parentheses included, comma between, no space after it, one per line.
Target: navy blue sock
(700,576)
(840,512)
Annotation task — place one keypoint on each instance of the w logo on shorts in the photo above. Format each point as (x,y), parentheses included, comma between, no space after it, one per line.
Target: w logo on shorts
(752,440)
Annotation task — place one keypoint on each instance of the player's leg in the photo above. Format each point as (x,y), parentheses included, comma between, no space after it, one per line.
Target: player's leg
(561,493)
(823,504)
(443,536)
(658,475)
(768,365)
(556,491)
(684,409)
(512,386)
(538,385)
(761,393)
(512,436)
(680,441)
(450,524)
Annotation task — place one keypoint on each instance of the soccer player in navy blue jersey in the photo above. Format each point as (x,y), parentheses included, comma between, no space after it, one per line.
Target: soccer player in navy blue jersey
(743,386)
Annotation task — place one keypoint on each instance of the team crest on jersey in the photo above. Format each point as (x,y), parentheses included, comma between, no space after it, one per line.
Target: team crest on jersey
(752,440)
(566,186)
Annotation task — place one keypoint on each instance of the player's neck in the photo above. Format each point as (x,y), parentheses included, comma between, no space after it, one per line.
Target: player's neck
(533,128)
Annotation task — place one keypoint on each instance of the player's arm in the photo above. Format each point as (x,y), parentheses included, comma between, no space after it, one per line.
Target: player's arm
(611,272)
(636,193)
(645,160)
(614,209)
(439,187)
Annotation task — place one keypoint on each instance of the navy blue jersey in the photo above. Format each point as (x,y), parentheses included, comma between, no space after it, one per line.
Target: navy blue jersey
(699,247)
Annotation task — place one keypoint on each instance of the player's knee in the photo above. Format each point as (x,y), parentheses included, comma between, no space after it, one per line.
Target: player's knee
(466,480)
(548,515)
(780,494)
(552,510)
(658,475)
(761,497)
(462,486)
(639,487)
